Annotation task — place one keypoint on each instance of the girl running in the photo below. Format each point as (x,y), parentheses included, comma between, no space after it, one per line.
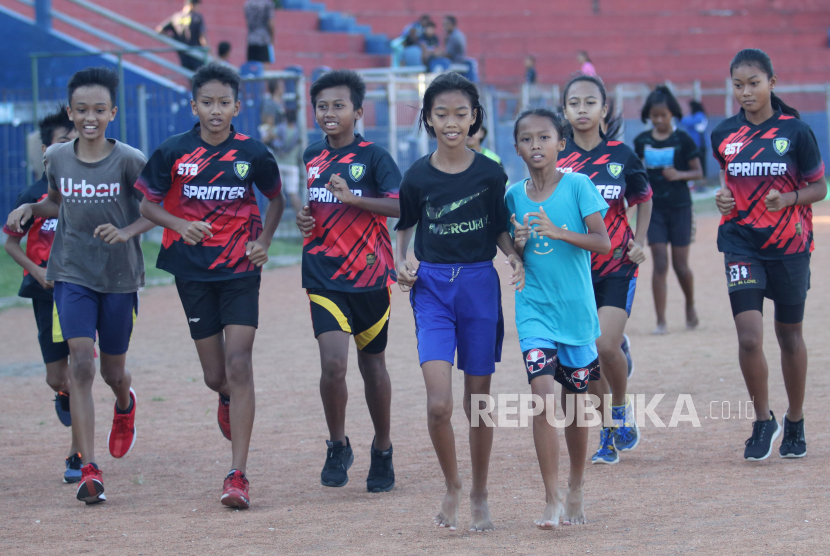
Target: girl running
(672,160)
(619,177)
(556,316)
(456,197)
(771,173)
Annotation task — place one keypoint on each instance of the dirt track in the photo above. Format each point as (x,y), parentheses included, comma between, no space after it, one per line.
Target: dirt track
(683,490)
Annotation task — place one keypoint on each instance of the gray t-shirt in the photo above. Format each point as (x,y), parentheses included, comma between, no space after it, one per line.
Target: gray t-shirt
(456,47)
(92,194)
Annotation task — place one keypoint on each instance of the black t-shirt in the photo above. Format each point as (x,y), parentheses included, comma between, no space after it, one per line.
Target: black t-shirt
(675,151)
(782,154)
(349,249)
(214,184)
(459,215)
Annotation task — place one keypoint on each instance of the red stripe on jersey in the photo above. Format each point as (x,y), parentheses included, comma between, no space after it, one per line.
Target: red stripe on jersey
(229,156)
(756,154)
(217,176)
(604,159)
(364,144)
(770,134)
(348,159)
(614,143)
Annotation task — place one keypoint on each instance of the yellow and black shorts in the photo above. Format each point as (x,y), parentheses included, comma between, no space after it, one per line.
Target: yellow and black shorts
(363,314)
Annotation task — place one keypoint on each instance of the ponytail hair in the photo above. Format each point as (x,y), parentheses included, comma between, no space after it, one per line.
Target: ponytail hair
(661,95)
(595,79)
(759,59)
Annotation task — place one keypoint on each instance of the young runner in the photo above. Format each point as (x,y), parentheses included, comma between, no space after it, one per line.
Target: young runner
(40,232)
(619,177)
(215,245)
(672,160)
(556,316)
(475,142)
(771,173)
(95,263)
(456,197)
(348,268)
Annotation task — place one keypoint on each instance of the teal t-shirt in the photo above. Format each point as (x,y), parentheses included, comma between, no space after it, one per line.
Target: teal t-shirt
(557,302)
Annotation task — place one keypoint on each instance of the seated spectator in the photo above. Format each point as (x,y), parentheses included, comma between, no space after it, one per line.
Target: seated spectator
(417,25)
(530,69)
(224,53)
(455,44)
(188,27)
(586,67)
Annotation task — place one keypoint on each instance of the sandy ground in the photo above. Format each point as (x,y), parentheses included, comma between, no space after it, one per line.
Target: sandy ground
(684,490)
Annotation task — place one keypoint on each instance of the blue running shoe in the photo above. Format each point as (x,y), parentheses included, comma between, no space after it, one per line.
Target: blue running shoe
(73,469)
(62,408)
(626,431)
(607,452)
(626,347)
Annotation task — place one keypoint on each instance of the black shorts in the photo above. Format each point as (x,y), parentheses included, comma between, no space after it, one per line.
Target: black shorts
(51,351)
(363,314)
(211,306)
(672,225)
(615,291)
(785,282)
(258,53)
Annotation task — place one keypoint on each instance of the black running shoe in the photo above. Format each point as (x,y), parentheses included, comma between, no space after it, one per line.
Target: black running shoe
(764,433)
(338,460)
(381,472)
(794,444)
(62,408)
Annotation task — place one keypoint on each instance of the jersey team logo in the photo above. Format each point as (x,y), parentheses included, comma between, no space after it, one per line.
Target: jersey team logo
(241,169)
(357,171)
(615,169)
(781,145)
(535,361)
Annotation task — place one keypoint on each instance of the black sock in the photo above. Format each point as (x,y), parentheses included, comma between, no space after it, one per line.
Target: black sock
(125,411)
(225,399)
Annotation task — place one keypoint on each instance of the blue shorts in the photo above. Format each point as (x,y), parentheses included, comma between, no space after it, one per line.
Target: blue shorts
(82,311)
(571,366)
(459,307)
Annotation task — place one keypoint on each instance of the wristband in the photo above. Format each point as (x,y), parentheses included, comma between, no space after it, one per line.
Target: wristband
(796,197)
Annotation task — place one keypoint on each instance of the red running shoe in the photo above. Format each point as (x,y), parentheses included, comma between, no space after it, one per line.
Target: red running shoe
(223,416)
(121,438)
(235,494)
(91,487)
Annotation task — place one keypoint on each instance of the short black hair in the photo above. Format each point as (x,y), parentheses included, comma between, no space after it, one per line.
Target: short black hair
(483,133)
(89,77)
(224,48)
(451,19)
(696,106)
(215,71)
(52,122)
(661,95)
(555,119)
(340,78)
(446,83)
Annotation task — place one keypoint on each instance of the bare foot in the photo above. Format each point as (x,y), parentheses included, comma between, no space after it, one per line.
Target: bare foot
(448,516)
(691,319)
(550,517)
(574,510)
(480,512)
(661,330)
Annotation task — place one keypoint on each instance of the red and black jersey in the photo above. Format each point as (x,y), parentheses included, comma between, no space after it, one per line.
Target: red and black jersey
(619,176)
(349,249)
(198,181)
(781,153)
(41,234)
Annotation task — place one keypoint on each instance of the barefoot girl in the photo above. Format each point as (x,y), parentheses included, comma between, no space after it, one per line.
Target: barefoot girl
(672,160)
(456,197)
(619,176)
(556,316)
(771,173)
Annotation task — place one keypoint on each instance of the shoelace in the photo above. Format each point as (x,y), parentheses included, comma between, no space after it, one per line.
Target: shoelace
(237,481)
(606,446)
(792,434)
(626,433)
(89,470)
(757,429)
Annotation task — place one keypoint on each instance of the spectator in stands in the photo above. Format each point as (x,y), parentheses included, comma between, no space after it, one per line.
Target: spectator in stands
(417,25)
(695,125)
(224,54)
(475,142)
(429,42)
(188,27)
(259,15)
(285,143)
(585,65)
(272,106)
(530,69)
(455,45)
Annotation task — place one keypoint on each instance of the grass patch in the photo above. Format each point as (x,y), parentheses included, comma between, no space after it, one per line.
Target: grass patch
(157,399)
(11,274)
